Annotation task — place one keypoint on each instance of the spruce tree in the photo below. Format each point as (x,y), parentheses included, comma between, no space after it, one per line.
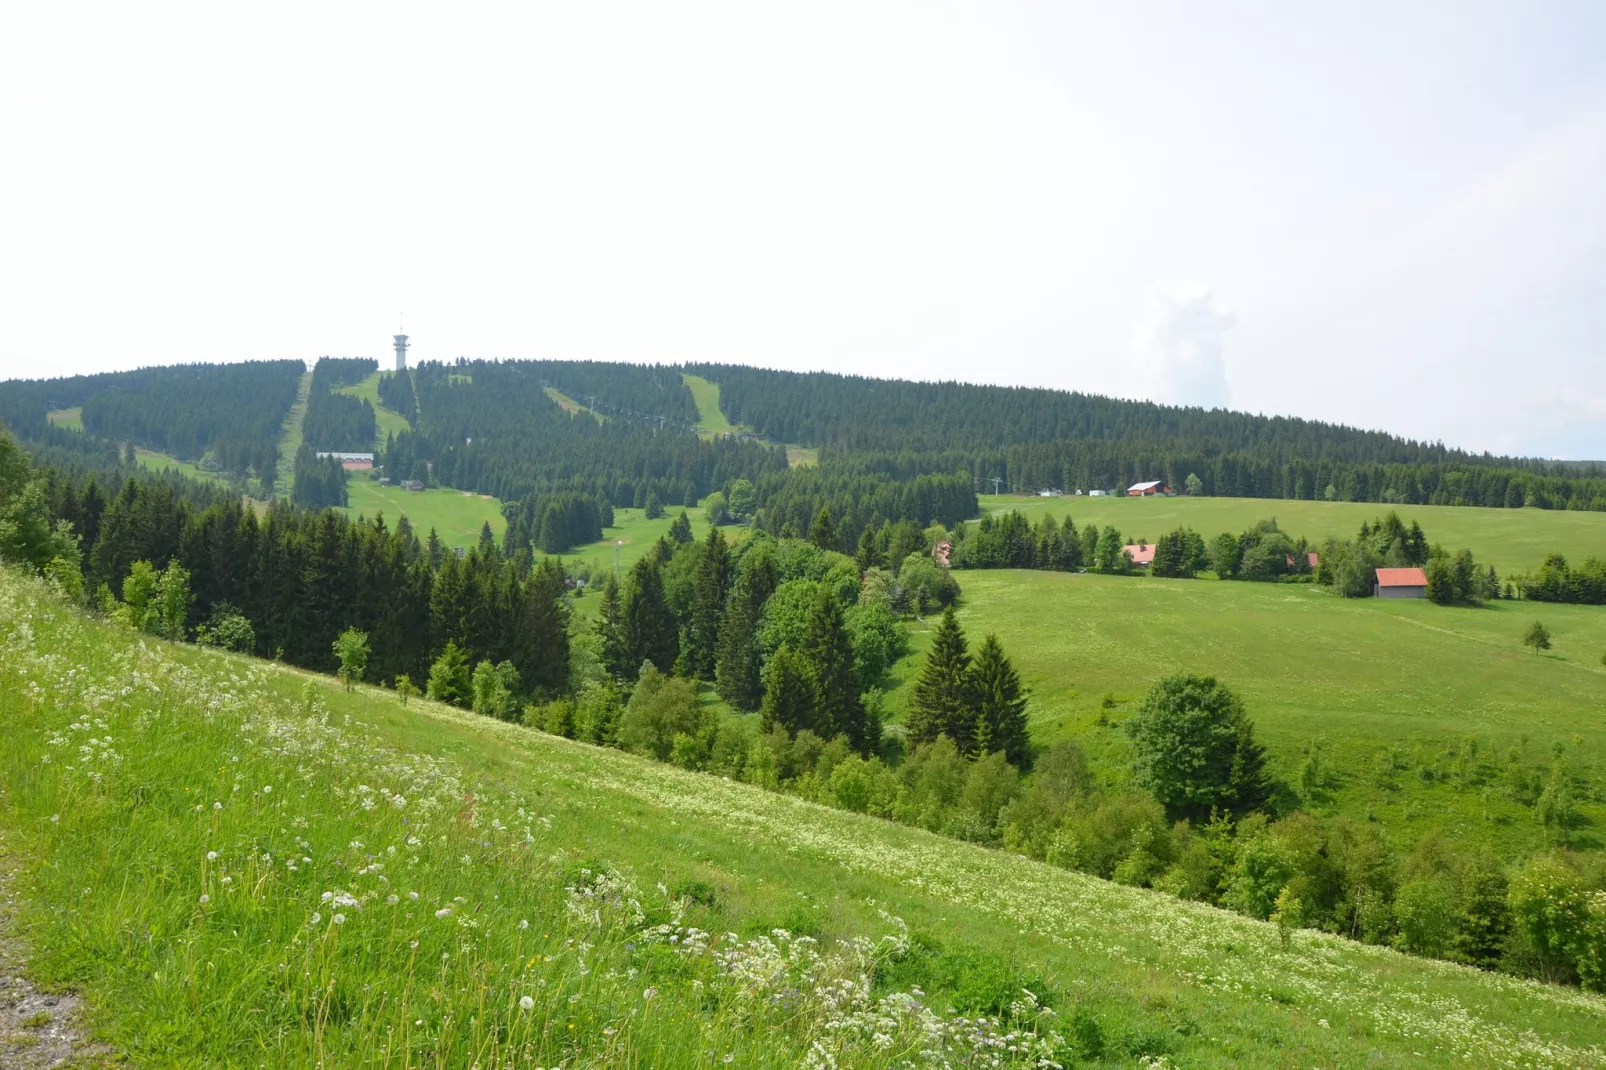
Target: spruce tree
(941,702)
(828,652)
(868,554)
(1000,704)
(823,533)
(680,529)
(789,694)
(708,605)
(650,632)
(543,633)
(736,669)
(610,629)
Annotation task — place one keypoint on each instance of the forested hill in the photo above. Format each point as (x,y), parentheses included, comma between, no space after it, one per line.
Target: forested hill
(1032,438)
(228,414)
(489,426)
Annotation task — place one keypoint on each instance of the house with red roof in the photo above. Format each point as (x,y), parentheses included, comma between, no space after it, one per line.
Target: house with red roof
(1401,583)
(1141,553)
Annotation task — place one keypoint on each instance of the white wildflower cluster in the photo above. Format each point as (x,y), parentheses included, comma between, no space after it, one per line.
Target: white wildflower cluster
(604,898)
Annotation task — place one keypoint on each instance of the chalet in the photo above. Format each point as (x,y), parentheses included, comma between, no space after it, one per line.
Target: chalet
(1050,492)
(1401,583)
(1143,490)
(940,553)
(412,484)
(1141,553)
(351,462)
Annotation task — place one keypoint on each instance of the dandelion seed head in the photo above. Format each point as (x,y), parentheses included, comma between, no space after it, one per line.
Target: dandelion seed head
(526,1003)
(339,919)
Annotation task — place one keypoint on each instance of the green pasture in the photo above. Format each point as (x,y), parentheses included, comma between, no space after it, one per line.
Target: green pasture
(1512,540)
(386,421)
(638,535)
(457,516)
(286,873)
(71,419)
(1362,677)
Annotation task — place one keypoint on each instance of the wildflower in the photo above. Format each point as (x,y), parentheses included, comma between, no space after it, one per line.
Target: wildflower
(524,923)
(211,856)
(316,918)
(205,899)
(413,896)
(391,900)
(217,806)
(339,919)
(444,912)
(526,1003)
(649,993)
(267,789)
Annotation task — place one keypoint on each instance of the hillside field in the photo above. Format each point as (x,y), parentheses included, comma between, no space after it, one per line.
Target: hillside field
(69,419)
(1362,676)
(457,516)
(241,864)
(1512,540)
(386,421)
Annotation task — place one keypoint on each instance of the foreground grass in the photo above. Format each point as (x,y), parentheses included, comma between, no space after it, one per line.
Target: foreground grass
(456,515)
(1512,540)
(240,864)
(1366,677)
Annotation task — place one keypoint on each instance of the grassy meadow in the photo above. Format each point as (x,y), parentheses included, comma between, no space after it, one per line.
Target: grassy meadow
(240,864)
(152,461)
(386,421)
(710,420)
(638,534)
(1367,678)
(68,419)
(1512,540)
(457,516)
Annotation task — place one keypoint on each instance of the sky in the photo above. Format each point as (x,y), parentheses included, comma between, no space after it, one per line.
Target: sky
(1387,215)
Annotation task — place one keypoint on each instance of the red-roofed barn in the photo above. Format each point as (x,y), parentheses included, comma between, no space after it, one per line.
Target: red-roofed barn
(1401,583)
(1142,554)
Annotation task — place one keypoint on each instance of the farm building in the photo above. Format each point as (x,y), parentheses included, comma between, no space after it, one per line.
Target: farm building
(1098,494)
(1141,553)
(351,462)
(412,484)
(1143,490)
(1401,583)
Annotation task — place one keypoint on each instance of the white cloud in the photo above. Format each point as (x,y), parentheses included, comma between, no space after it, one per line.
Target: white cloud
(1180,344)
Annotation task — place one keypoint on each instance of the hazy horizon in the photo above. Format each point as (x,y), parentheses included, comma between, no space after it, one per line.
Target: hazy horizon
(1380,217)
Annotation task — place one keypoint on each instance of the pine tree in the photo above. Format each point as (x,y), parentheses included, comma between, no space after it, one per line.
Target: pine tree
(1000,704)
(543,634)
(610,629)
(708,605)
(448,604)
(1248,784)
(789,694)
(828,652)
(736,669)
(487,540)
(868,554)
(941,703)
(680,529)
(823,533)
(654,507)
(449,677)
(650,632)
(436,551)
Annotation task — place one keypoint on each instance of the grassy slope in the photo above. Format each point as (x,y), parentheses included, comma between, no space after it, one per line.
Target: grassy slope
(181,964)
(1362,676)
(456,515)
(72,419)
(1512,540)
(290,439)
(710,420)
(568,404)
(156,462)
(386,421)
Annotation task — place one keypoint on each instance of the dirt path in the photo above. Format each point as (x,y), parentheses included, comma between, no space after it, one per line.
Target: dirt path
(37,1029)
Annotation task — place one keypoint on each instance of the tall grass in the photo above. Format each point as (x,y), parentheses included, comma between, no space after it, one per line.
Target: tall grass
(239,875)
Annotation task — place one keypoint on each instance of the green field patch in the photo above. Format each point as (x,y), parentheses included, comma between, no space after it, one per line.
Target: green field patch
(710,420)
(240,863)
(386,421)
(632,535)
(457,516)
(1512,540)
(1362,676)
(68,419)
(152,461)
(568,404)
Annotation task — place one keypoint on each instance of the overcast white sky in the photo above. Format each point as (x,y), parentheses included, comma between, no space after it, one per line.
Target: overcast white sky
(1393,215)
